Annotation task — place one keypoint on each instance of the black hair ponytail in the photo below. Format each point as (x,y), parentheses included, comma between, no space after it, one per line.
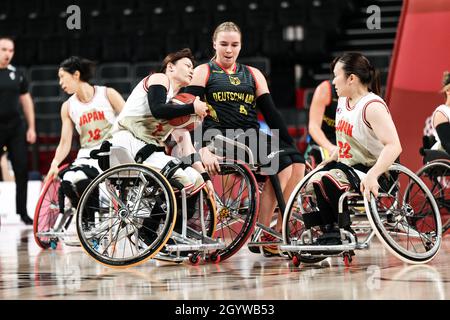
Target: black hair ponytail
(86,67)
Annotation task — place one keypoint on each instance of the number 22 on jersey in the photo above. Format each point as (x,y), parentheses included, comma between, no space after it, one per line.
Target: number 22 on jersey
(344,150)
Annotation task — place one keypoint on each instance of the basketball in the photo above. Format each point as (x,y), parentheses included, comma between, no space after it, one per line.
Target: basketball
(188,122)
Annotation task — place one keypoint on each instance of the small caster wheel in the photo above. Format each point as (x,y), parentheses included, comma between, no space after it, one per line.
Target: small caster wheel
(53,244)
(214,257)
(194,259)
(296,260)
(347,259)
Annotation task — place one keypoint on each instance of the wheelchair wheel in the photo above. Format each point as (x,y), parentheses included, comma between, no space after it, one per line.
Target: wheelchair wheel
(47,211)
(196,229)
(436,176)
(126,215)
(405,216)
(300,203)
(237,201)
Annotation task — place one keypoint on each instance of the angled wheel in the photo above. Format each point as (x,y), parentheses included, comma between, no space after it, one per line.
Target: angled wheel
(47,211)
(436,176)
(296,260)
(126,215)
(214,257)
(405,216)
(300,202)
(347,259)
(237,201)
(194,259)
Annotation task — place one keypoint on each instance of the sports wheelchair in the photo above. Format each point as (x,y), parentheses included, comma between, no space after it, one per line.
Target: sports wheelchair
(132,212)
(49,225)
(436,175)
(255,177)
(404,216)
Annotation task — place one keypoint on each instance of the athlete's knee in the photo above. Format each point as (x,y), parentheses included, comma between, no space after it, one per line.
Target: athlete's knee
(285,175)
(74,176)
(298,171)
(195,178)
(189,178)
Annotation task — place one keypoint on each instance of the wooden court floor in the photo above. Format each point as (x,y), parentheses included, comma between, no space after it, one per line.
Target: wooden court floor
(29,273)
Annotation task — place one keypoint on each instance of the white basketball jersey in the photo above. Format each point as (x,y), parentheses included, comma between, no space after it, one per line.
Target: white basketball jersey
(92,120)
(137,118)
(446,111)
(356,140)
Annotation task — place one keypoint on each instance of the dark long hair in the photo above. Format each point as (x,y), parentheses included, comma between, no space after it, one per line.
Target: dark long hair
(357,64)
(86,67)
(445,81)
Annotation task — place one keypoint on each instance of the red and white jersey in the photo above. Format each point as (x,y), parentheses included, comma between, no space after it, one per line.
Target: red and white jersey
(93,120)
(137,118)
(446,111)
(355,138)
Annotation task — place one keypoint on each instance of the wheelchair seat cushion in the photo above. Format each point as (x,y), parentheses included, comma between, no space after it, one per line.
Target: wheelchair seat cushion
(432,155)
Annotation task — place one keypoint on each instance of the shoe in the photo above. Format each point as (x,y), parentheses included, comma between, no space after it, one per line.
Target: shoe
(72,242)
(270,250)
(267,250)
(70,237)
(26,219)
(329,238)
(256,249)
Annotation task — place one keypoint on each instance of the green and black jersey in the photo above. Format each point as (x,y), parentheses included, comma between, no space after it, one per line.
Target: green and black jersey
(231,98)
(328,122)
(329,116)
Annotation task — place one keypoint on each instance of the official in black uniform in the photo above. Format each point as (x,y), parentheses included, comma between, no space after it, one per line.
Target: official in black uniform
(232,92)
(13,134)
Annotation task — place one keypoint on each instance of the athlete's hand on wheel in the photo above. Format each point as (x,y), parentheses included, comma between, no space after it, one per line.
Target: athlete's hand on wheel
(52,172)
(369,184)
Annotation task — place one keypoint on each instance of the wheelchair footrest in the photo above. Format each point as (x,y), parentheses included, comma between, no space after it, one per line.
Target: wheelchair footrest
(264,243)
(269,230)
(316,248)
(195,247)
(51,234)
(170,257)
